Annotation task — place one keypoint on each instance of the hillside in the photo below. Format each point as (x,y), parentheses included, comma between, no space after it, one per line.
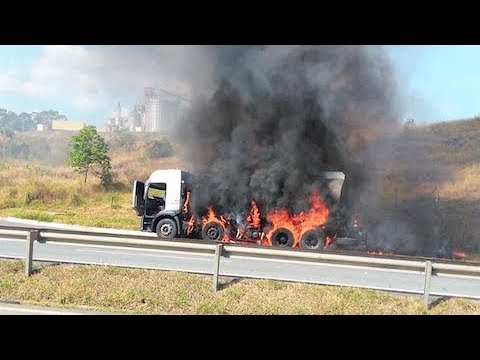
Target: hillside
(430,177)
(127,151)
(37,184)
(427,176)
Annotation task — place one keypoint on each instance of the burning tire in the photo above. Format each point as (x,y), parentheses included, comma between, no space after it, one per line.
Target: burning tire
(312,240)
(282,237)
(166,229)
(213,231)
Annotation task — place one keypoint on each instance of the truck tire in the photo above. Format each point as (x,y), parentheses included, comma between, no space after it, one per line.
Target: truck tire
(166,228)
(282,237)
(313,239)
(213,231)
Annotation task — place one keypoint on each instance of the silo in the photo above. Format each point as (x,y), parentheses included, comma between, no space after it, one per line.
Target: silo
(151,109)
(162,110)
(134,119)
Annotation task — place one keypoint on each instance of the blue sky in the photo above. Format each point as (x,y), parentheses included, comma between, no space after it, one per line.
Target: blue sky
(440,81)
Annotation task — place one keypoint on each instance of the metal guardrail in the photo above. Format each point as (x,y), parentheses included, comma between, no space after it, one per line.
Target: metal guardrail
(427,267)
(120,234)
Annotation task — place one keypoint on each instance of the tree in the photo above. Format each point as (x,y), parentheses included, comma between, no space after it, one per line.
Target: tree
(5,135)
(8,121)
(46,117)
(26,122)
(89,151)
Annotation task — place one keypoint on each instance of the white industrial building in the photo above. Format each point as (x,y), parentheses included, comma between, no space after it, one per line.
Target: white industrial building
(67,125)
(159,113)
(118,120)
(162,109)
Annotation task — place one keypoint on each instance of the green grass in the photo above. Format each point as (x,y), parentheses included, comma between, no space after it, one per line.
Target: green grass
(96,210)
(144,291)
(39,216)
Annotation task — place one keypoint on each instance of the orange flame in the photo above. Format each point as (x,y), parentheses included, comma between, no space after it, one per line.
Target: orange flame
(191,224)
(211,216)
(253,218)
(328,240)
(316,216)
(379,253)
(458,255)
(280,219)
(187,202)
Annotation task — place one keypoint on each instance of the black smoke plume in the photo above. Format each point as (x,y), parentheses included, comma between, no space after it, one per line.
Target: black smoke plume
(279,115)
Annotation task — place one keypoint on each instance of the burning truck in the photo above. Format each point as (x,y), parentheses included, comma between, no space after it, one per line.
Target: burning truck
(163,203)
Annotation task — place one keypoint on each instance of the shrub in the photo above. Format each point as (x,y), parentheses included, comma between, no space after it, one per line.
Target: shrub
(122,140)
(76,200)
(27,199)
(106,178)
(158,149)
(20,150)
(44,191)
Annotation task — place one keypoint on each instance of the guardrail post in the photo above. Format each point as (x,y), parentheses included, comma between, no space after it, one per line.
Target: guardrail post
(32,236)
(218,254)
(428,277)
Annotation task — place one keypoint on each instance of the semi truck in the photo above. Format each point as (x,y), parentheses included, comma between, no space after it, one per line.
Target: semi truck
(162,203)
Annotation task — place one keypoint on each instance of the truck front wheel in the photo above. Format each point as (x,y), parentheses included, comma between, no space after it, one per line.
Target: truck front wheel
(166,228)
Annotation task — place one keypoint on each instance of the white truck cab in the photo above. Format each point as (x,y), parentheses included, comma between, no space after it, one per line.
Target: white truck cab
(160,200)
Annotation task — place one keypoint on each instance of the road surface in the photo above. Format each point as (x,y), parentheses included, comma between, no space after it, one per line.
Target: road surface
(384,279)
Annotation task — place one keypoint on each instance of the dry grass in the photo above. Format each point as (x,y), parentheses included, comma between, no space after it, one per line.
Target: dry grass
(464,185)
(433,176)
(46,193)
(165,292)
(31,192)
(58,194)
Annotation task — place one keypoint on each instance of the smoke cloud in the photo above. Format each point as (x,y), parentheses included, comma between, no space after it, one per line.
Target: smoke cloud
(274,117)
(279,115)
